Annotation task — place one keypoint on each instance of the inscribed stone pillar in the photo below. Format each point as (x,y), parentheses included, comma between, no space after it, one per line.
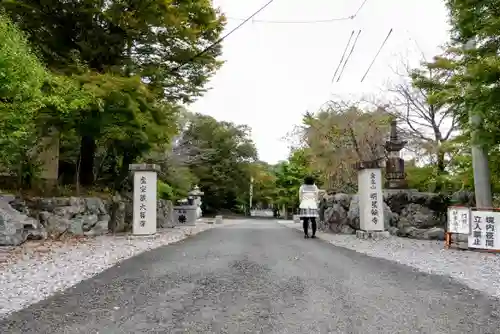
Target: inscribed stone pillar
(48,156)
(371,207)
(144,205)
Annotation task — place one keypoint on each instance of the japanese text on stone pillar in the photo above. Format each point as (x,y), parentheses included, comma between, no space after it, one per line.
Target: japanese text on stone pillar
(374,198)
(142,198)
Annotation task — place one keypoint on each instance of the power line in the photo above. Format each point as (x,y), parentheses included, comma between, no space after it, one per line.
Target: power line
(375,58)
(343,55)
(297,22)
(410,36)
(336,19)
(359,9)
(349,55)
(220,40)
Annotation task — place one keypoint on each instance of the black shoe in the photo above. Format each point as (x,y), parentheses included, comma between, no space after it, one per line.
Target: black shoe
(313,236)
(306,236)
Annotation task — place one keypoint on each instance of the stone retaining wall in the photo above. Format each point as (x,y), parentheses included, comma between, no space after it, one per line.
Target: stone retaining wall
(407,213)
(40,218)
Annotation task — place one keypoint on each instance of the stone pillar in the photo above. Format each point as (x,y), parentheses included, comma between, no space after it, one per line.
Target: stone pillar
(144,212)
(371,205)
(49,159)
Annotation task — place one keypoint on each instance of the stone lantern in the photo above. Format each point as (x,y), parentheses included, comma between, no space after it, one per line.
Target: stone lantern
(395,166)
(196,194)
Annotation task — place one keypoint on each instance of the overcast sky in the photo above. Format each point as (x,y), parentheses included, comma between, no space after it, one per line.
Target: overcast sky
(275,72)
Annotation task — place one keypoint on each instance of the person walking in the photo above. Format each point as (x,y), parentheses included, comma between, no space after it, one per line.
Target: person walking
(308,208)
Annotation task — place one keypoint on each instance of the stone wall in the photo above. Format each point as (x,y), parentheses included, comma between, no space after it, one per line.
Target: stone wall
(40,218)
(407,213)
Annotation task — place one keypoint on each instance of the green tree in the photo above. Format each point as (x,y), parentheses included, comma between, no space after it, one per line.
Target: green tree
(22,77)
(264,184)
(290,176)
(475,70)
(149,38)
(219,155)
(99,41)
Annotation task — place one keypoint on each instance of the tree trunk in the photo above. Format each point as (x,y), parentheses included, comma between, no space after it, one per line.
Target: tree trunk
(128,158)
(440,162)
(87,154)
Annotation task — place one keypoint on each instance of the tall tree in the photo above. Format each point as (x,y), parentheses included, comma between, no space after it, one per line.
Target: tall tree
(477,69)
(219,155)
(341,135)
(154,40)
(290,176)
(426,120)
(149,38)
(264,187)
(22,77)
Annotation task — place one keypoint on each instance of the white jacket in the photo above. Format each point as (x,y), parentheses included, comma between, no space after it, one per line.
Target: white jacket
(308,196)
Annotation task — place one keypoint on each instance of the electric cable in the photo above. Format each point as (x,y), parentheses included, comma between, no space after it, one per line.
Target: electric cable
(220,40)
(343,55)
(410,36)
(336,19)
(349,55)
(376,55)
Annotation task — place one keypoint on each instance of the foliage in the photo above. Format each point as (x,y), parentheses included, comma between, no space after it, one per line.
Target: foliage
(264,184)
(342,135)
(117,71)
(21,79)
(164,191)
(290,176)
(427,120)
(219,155)
(149,38)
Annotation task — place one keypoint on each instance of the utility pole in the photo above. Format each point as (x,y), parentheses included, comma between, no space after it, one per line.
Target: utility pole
(251,195)
(481,170)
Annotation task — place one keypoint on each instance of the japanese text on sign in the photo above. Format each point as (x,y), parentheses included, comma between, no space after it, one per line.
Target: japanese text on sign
(142,198)
(484,230)
(459,220)
(373,181)
(489,232)
(476,231)
(374,198)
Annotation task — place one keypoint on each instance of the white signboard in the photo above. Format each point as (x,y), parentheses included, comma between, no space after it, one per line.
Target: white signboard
(459,220)
(485,228)
(144,203)
(371,200)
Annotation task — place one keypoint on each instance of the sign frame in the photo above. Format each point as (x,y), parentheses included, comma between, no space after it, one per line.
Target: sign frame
(459,227)
(488,217)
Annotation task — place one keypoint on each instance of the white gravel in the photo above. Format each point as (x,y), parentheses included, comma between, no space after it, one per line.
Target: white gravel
(38,272)
(477,270)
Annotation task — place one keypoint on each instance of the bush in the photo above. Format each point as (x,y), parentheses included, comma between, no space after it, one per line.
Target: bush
(164,191)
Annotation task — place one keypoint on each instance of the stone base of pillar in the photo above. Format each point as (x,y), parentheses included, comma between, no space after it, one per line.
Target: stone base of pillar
(144,237)
(374,235)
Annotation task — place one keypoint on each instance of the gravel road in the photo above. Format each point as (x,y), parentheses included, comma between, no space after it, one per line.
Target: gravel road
(259,277)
